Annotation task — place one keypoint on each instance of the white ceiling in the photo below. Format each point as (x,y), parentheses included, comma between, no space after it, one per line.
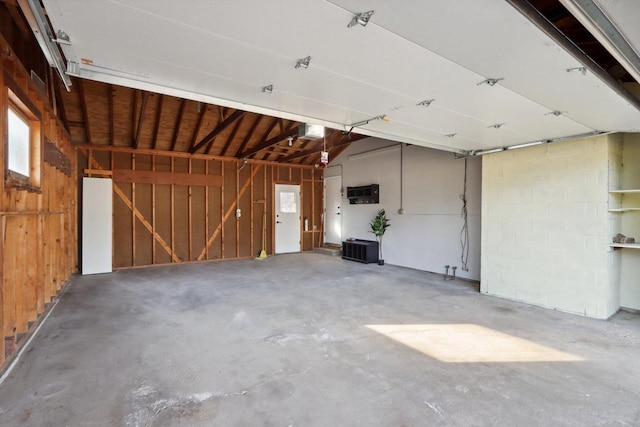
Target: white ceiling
(224,52)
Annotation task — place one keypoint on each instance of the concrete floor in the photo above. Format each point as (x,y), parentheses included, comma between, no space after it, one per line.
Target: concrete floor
(283,342)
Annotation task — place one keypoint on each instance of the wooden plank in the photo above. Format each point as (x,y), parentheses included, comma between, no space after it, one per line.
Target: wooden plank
(85,114)
(176,128)
(248,137)
(142,219)
(156,127)
(172,215)
(232,137)
(221,126)
(206,208)
(153,204)
(264,142)
(133,214)
(196,131)
(190,214)
(112,131)
(168,178)
(226,215)
(143,106)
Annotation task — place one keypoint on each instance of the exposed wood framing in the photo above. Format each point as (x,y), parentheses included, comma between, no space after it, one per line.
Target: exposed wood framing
(176,131)
(85,113)
(143,106)
(269,142)
(37,228)
(221,126)
(156,126)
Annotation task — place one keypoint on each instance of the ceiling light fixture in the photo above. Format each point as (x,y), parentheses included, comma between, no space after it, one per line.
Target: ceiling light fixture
(426,103)
(361,18)
(496,126)
(303,63)
(267,89)
(490,81)
(582,70)
(289,141)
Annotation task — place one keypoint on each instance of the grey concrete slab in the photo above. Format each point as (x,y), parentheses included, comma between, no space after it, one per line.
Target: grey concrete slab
(284,342)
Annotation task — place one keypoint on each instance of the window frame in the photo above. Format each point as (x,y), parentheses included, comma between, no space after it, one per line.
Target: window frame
(22,106)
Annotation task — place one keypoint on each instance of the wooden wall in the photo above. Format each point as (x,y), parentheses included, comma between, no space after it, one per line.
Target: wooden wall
(173,207)
(38,245)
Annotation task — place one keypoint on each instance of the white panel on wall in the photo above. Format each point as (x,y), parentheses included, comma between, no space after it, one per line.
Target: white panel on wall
(97,207)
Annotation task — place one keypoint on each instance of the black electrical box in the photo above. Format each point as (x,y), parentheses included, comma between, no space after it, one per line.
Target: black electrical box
(365,194)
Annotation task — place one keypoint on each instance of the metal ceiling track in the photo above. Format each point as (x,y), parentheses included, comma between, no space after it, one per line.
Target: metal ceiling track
(35,15)
(533,15)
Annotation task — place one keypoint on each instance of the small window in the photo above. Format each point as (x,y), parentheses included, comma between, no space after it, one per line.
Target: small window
(23,144)
(287,202)
(19,144)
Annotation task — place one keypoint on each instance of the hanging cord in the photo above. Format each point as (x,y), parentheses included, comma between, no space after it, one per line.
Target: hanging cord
(464,233)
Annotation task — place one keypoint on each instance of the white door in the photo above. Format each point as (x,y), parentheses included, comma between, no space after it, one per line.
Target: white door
(287,218)
(97,200)
(333,210)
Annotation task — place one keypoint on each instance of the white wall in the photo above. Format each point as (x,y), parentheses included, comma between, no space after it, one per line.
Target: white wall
(545,226)
(427,235)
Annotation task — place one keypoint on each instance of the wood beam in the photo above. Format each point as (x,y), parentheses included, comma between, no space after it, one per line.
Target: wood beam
(176,128)
(232,137)
(221,126)
(85,114)
(203,112)
(249,135)
(156,127)
(110,95)
(272,141)
(143,106)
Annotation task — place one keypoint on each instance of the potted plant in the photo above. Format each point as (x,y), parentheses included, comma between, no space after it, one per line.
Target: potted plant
(379,225)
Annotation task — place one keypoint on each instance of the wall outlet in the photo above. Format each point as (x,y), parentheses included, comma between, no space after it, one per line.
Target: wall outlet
(238,213)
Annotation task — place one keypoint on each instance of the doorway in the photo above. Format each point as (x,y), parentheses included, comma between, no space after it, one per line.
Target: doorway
(333,210)
(287,214)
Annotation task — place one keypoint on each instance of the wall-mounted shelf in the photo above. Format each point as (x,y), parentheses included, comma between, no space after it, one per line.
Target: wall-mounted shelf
(624,209)
(625,206)
(625,245)
(366,194)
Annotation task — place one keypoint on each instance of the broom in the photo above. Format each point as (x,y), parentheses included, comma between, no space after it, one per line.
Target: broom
(263,253)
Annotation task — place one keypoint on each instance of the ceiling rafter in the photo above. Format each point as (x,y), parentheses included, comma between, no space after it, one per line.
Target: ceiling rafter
(85,114)
(196,132)
(232,137)
(272,141)
(221,126)
(176,130)
(249,135)
(143,106)
(265,135)
(112,131)
(156,127)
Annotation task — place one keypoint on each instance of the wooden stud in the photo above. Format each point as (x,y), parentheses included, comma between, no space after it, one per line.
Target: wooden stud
(156,127)
(172,213)
(133,213)
(206,207)
(226,215)
(153,207)
(143,106)
(85,114)
(176,128)
(190,216)
(112,130)
(196,131)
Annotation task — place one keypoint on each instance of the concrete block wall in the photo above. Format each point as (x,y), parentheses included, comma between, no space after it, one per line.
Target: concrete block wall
(545,228)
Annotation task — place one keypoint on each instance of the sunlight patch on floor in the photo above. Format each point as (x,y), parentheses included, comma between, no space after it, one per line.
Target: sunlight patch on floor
(468,343)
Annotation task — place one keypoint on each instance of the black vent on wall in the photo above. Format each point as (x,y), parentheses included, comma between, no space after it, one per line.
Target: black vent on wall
(365,194)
